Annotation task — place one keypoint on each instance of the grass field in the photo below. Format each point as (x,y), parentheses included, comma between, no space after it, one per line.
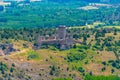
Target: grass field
(95,24)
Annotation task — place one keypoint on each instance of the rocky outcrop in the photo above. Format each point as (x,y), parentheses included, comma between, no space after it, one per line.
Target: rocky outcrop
(6,49)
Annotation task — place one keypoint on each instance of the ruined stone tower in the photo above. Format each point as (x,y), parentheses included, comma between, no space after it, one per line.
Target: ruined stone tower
(62,32)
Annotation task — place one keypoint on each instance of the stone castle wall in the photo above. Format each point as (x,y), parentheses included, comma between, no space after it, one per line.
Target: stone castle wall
(62,38)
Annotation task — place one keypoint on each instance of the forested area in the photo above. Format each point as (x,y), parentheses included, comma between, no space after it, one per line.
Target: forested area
(50,14)
(96,1)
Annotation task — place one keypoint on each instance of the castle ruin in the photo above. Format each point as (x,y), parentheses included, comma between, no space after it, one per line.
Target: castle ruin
(62,39)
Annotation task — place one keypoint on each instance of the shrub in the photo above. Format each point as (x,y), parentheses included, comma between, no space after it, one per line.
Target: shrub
(80,69)
(104,63)
(76,56)
(112,70)
(11,69)
(103,69)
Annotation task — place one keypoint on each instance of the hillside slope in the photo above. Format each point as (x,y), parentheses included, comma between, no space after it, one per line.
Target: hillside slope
(93,54)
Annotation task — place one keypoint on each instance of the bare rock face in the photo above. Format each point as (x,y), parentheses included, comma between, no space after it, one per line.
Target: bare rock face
(6,49)
(1,53)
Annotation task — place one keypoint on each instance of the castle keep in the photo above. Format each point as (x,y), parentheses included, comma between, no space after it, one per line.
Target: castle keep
(62,39)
